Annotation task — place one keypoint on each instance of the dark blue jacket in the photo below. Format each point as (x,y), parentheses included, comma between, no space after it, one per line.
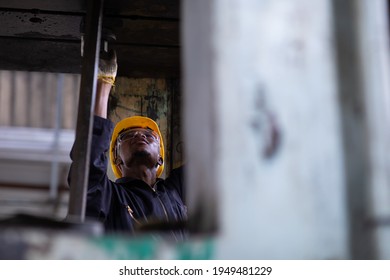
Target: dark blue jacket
(126,204)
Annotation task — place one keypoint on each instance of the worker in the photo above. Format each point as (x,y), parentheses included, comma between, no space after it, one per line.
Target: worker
(138,200)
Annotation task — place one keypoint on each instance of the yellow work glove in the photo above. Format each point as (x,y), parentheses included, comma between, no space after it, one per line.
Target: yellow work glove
(108,67)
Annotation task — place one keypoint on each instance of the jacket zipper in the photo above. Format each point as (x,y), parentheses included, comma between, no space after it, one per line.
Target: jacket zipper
(161,203)
(130,211)
(131,214)
(165,210)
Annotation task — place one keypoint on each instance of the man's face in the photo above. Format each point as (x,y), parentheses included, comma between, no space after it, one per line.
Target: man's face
(138,143)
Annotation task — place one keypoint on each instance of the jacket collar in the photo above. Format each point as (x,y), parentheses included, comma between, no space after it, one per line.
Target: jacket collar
(127,180)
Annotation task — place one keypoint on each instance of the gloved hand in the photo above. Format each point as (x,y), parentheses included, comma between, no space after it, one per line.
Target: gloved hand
(108,67)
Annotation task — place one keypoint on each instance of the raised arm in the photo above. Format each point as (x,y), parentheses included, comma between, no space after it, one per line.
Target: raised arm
(101,103)
(106,77)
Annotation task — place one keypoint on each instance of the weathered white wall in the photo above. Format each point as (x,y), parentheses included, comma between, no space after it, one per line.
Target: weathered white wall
(275,63)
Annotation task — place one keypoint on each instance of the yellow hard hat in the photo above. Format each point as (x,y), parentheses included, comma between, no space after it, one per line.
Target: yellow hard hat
(135,121)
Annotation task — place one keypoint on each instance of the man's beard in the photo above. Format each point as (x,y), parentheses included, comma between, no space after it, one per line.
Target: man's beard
(141,157)
(141,154)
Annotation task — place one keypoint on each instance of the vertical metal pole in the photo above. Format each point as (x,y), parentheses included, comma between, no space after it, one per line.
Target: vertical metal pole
(80,171)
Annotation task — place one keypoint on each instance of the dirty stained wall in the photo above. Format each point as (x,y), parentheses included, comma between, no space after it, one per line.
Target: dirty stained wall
(158,99)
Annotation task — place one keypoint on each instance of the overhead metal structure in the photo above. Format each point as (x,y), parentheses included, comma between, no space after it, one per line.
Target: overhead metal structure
(44,35)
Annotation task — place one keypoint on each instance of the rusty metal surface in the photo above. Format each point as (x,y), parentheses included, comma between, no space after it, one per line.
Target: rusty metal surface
(44,35)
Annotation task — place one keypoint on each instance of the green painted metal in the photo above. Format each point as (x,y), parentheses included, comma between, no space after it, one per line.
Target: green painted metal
(148,247)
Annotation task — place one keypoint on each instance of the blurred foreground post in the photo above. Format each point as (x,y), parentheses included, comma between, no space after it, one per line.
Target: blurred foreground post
(286,121)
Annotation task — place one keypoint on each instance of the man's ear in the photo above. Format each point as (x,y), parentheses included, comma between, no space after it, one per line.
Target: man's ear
(118,162)
(160,160)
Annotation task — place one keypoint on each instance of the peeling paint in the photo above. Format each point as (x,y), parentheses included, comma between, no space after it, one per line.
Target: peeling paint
(264,122)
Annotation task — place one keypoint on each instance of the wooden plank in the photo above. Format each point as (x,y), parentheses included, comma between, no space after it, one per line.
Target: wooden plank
(20,99)
(35,25)
(54,45)
(71,91)
(34,55)
(48,39)
(148,62)
(145,8)
(47,5)
(37,98)
(52,56)
(143,31)
(169,9)
(49,100)
(67,27)
(5,98)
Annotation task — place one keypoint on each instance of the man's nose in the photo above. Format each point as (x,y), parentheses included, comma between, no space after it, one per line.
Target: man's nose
(140,134)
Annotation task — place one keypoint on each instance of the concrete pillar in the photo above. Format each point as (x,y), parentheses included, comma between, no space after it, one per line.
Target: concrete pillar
(286,108)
